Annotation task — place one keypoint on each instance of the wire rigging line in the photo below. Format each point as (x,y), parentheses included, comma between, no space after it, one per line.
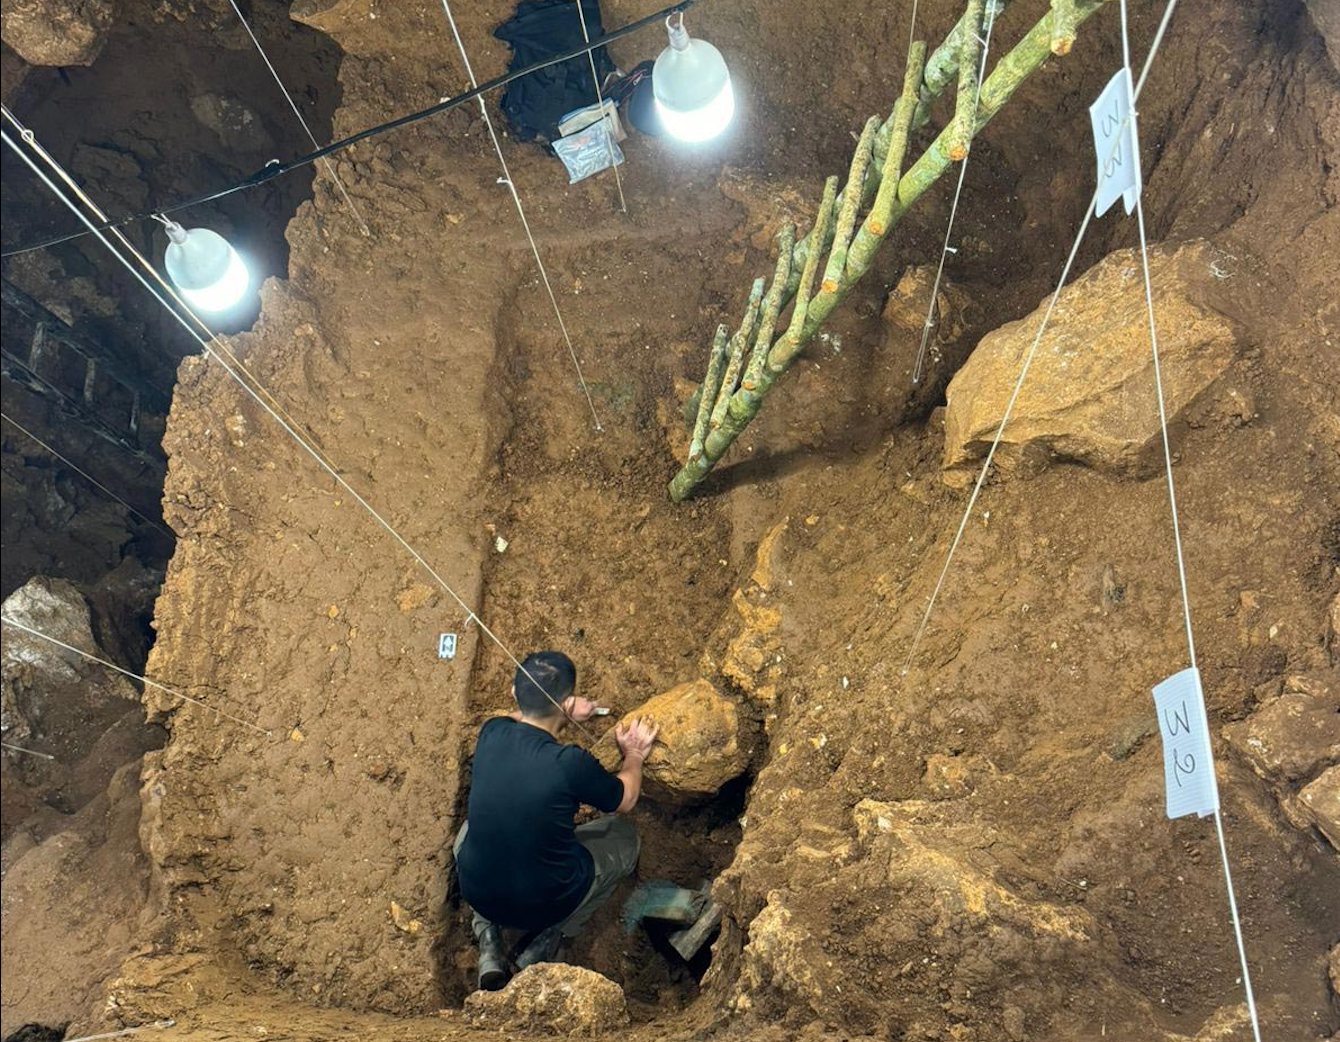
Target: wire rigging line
(30,139)
(325,162)
(31,752)
(993,7)
(1177,534)
(600,101)
(275,169)
(143,679)
(85,475)
(1028,359)
(521,211)
(288,428)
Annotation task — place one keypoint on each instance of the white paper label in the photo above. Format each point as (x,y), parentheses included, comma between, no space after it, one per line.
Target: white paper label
(1114,144)
(446,645)
(1188,762)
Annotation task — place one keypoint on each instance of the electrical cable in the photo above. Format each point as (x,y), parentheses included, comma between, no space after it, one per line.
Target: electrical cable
(992,9)
(143,679)
(600,101)
(275,169)
(30,139)
(287,427)
(521,212)
(85,475)
(329,166)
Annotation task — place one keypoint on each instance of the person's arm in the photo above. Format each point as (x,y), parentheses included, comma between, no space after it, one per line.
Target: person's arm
(635,741)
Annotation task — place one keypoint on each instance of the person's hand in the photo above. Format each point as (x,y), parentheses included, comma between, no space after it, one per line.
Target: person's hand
(636,737)
(580,709)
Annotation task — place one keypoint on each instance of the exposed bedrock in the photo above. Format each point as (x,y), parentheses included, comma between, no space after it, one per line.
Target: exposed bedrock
(58,32)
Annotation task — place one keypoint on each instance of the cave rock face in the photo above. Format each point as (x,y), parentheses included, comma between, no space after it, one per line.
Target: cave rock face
(553,998)
(1090,393)
(700,746)
(57,32)
(45,691)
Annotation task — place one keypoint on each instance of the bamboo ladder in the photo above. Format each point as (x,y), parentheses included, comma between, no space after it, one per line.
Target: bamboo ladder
(743,366)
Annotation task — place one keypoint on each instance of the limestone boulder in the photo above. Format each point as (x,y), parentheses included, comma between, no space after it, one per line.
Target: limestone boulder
(1090,396)
(1320,804)
(701,746)
(57,32)
(1292,737)
(552,998)
(48,694)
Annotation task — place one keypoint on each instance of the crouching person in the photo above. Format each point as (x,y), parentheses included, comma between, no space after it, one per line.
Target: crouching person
(521,861)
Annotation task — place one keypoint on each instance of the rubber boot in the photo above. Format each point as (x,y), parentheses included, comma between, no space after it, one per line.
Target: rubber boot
(542,948)
(492,960)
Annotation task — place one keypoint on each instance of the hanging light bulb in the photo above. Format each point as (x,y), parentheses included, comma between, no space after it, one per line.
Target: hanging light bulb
(692,86)
(205,268)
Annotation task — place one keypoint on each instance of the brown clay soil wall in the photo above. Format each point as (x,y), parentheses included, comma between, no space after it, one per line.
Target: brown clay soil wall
(1038,893)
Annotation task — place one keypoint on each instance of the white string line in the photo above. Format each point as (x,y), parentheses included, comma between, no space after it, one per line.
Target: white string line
(471,616)
(85,475)
(521,212)
(30,139)
(912,32)
(325,161)
(1028,356)
(600,101)
(143,679)
(992,9)
(30,752)
(1177,536)
(157,1025)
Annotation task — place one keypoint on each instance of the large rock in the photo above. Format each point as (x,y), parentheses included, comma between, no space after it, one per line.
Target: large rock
(57,32)
(49,694)
(1090,393)
(701,745)
(552,998)
(1292,737)
(1320,802)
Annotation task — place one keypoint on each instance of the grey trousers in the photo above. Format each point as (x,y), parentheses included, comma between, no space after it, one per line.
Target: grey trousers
(614,845)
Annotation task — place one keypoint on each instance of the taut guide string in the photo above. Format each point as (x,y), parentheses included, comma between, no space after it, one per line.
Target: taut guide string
(325,160)
(992,8)
(1023,372)
(86,476)
(288,428)
(600,100)
(1177,531)
(521,212)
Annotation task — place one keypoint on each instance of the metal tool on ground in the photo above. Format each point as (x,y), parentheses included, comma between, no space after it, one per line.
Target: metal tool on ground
(693,912)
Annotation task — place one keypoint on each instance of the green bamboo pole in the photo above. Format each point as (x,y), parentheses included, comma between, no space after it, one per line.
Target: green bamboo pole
(965,103)
(1063,26)
(877,223)
(786,348)
(716,363)
(942,66)
(830,289)
(1010,72)
(743,404)
(752,384)
(738,345)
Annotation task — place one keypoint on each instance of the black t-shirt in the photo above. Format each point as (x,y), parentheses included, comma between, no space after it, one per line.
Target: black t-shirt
(521,864)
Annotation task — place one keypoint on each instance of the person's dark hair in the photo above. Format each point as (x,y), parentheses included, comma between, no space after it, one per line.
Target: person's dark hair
(542,681)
